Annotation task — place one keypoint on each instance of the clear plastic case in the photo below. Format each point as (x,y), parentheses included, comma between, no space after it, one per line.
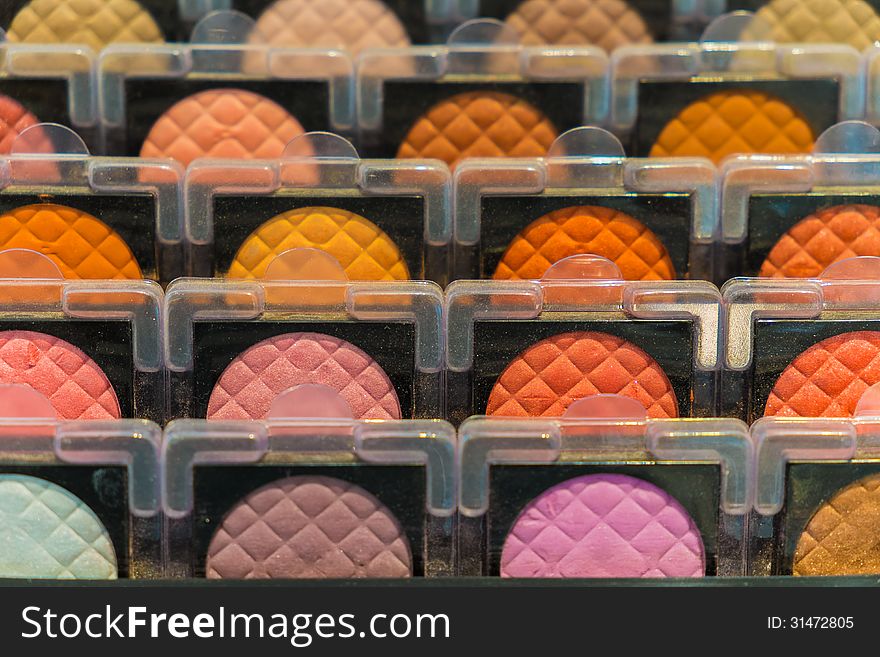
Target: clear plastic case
(815,500)
(663,20)
(519,477)
(82,500)
(49,83)
(773,206)
(351,498)
(235,346)
(573,329)
(95,216)
(586,171)
(92,347)
(703,98)
(553,90)
(262,95)
(783,337)
(386,218)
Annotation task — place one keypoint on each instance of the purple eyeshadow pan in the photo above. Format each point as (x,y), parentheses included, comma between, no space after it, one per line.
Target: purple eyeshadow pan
(309,528)
(604,526)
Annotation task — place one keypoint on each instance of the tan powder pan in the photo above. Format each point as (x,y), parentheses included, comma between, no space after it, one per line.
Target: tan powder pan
(608,24)
(479,124)
(587,229)
(852,22)
(843,536)
(95,23)
(222,123)
(351,25)
(363,250)
(735,122)
(823,238)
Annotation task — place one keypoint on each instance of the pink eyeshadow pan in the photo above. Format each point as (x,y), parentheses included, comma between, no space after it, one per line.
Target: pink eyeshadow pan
(75,385)
(604,526)
(309,528)
(14,118)
(251,382)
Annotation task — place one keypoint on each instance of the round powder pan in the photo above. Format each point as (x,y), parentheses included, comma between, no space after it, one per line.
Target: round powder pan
(822,239)
(95,23)
(248,386)
(49,533)
(350,25)
(479,124)
(852,22)
(843,535)
(363,250)
(628,243)
(829,378)
(74,384)
(547,377)
(309,527)
(82,246)
(735,122)
(222,123)
(608,24)
(603,525)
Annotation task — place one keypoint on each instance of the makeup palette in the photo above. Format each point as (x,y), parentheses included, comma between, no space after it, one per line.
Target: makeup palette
(375,220)
(597,497)
(240,347)
(534,348)
(483,94)
(80,500)
(724,96)
(94,217)
(817,491)
(222,95)
(330,499)
(794,216)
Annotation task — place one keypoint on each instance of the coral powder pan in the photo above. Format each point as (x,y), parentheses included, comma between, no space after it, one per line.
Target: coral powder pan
(77,388)
(604,526)
(309,527)
(614,235)
(14,118)
(222,123)
(548,376)
(247,387)
(829,378)
(823,238)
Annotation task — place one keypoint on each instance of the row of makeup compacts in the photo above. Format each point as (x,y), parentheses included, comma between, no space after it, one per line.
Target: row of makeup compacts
(304,438)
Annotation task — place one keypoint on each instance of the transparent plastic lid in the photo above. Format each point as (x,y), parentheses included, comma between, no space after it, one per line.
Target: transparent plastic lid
(304,441)
(487,441)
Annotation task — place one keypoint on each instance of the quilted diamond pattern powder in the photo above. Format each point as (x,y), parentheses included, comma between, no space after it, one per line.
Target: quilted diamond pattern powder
(729,122)
(247,387)
(75,385)
(14,118)
(81,245)
(853,22)
(309,528)
(222,123)
(361,247)
(604,23)
(351,25)
(604,526)
(843,537)
(49,533)
(479,124)
(548,376)
(829,378)
(614,235)
(95,23)
(823,238)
